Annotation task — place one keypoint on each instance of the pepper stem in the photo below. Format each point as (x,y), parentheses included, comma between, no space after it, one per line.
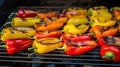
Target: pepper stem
(109,55)
(3,46)
(29,55)
(31,48)
(61,48)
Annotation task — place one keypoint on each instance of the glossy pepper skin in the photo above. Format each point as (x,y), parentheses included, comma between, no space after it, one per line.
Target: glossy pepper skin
(70,28)
(99,33)
(23,13)
(46,45)
(48,33)
(77,48)
(17,32)
(74,37)
(30,21)
(16,45)
(109,52)
(53,25)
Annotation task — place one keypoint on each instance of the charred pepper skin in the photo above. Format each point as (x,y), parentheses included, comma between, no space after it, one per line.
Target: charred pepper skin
(109,52)
(16,45)
(24,13)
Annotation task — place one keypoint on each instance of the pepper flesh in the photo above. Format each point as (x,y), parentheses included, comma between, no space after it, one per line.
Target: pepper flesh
(46,45)
(30,21)
(15,46)
(17,32)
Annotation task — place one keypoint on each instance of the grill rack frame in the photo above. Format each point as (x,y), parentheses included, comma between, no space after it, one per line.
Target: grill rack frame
(56,57)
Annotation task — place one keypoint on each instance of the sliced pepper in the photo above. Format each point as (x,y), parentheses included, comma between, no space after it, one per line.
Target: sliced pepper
(48,33)
(17,21)
(46,45)
(15,46)
(17,32)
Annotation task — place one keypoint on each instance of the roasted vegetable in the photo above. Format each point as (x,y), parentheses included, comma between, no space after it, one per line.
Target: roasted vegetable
(17,21)
(109,52)
(56,24)
(81,47)
(48,33)
(70,28)
(23,13)
(71,12)
(76,20)
(16,33)
(46,45)
(99,32)
(14,46)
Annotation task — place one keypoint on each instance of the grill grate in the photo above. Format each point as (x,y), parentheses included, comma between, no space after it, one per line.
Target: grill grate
(55,57)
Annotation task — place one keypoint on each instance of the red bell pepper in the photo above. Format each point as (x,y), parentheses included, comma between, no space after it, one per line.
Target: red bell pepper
(75,48)
(15,46)
(23,13)
(74,37)
(109,52)
(48,33)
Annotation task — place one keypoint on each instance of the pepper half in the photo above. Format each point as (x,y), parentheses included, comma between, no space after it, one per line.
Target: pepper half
(46,45)
(76,48)
(30,21)
(17,32)
(48,33)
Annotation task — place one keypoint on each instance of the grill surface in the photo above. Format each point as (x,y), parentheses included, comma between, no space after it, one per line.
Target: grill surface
(55,57)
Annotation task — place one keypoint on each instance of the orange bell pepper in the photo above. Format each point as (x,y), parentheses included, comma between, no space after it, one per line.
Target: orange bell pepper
(55,24)
(112,31)
(100,33)
(97,31)
(45,15)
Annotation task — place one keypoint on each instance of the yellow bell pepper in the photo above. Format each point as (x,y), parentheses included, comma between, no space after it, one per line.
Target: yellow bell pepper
(76,20)
(74,29)
(46,45)
(17,32)
(17,21)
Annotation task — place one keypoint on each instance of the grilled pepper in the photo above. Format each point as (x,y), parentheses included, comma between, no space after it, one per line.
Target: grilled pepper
(81,47)
(109,52)
(48,33)
(96,22)
(15,46)
(23,13)
(16,33)
(56,24)
(71,12)
(17,21)
(74,37)
(76,20)
(70,28)
(99,32)
(46,45)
